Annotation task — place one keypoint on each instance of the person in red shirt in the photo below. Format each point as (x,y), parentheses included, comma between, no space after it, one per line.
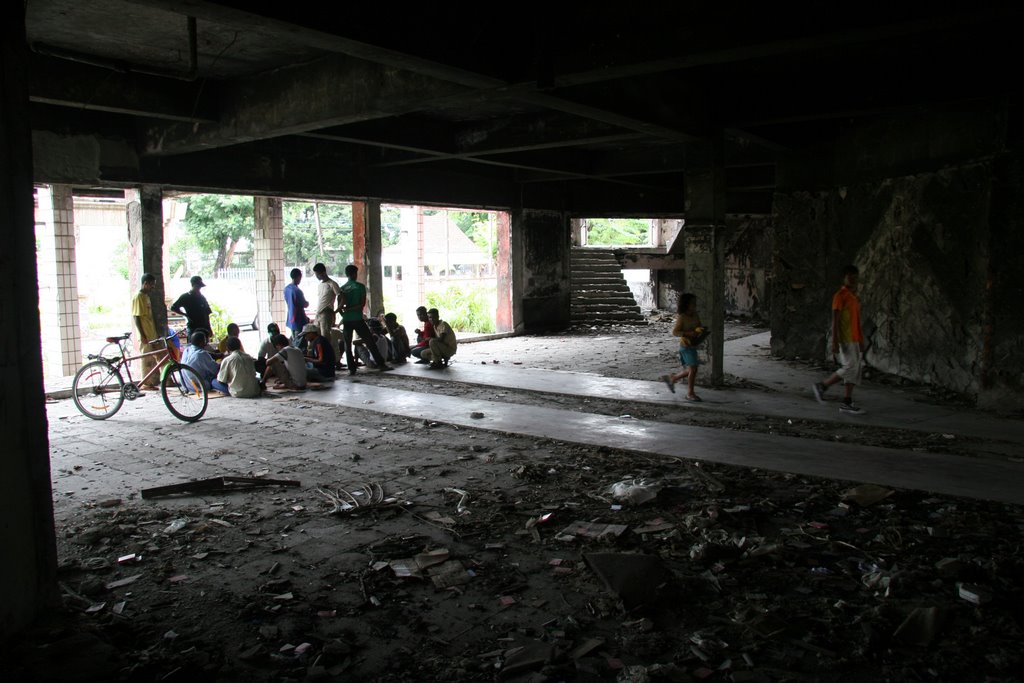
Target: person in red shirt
(847,342)
(423,336)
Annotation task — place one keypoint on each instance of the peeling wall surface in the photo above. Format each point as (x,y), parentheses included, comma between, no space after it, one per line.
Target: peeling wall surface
(939,285)
(748,263)
(545,277)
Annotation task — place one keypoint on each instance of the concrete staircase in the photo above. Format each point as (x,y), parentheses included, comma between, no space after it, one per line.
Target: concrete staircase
(600,294)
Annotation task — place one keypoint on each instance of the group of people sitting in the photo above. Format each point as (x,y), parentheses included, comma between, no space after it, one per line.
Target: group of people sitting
(312,357)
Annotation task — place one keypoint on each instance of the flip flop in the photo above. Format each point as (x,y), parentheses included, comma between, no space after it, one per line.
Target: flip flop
(695,398)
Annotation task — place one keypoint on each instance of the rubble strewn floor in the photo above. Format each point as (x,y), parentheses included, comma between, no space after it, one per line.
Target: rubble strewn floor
(488,556)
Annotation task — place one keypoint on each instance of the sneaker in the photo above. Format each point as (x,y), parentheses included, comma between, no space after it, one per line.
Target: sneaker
(819,391)
(850,408)
(668,381)
(435,366)
(385,368)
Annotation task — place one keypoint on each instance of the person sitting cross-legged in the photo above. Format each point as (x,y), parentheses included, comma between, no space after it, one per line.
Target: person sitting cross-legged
(237,375)
(287,366)
(199,359)
(443,344)
(267,348)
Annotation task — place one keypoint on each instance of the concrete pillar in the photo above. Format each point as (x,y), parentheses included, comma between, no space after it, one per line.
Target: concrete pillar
(540,260)
(370,270)
(268,259)
(58,281)
(703,245)
(146,228)
(503,316)
(29,568)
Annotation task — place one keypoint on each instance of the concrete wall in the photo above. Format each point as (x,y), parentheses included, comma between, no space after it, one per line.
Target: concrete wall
(915,207)
(748,264)
(542,240)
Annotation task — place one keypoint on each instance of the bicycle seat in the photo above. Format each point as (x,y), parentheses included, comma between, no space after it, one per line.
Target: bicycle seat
(114,340)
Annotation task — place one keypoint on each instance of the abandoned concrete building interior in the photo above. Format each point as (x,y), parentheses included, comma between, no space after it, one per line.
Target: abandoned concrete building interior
(544,509)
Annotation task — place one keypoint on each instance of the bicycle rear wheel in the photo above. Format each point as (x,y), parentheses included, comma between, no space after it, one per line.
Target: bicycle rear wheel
(98,390)
(184,392)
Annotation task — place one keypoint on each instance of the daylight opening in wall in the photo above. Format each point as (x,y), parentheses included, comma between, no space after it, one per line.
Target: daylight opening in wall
(617,232)
(442,258)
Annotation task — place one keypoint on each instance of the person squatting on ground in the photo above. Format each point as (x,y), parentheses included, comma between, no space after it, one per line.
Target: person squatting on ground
(296,302)
(353,298)
(196,309)
(444,343)
(378,337)
(400,350)
(145,328)
(689,330)
(237,375)
(847,342)
(267,348)
(423,336)
(288,365)
(320,358)
(327,293)
(199,359)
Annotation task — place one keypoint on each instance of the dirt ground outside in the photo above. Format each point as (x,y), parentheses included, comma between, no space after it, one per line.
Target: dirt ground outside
(424,551)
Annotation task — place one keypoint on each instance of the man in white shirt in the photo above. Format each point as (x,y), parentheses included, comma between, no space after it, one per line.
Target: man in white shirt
(327,294)
(267,348)
(288,365)
(238,372)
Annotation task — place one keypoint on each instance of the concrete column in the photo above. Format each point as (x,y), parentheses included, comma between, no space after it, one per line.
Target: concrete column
(28,572)
(370,269)
(540,250)
(58,281)
(703,245)
(504,320)
(268,259)
(146,227)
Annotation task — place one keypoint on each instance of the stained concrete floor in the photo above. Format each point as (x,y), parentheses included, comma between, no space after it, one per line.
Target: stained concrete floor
(780,390)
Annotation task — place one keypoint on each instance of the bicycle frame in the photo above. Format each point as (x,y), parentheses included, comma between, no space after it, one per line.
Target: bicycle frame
(126,360)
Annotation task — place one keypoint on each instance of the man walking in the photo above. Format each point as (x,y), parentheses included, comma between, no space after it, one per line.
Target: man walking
(326,294)
(353,298)
(145,328)
(194,306)
(847,342)
(296,302)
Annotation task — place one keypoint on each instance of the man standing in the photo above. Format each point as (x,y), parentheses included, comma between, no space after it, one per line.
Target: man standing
(444,343)
(145,328)
(353,298)
(326,294)
(296,302)
(194,306)
(847,342)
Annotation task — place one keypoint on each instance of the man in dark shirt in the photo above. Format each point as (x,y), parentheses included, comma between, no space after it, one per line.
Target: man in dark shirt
(320,358)
(194,306)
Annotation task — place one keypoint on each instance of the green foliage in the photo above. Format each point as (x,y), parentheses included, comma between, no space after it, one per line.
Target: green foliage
(215,224)
(390,225)
(219,319)
(617,232)
(301,244)
(479,227)
(120,260)
(469,309)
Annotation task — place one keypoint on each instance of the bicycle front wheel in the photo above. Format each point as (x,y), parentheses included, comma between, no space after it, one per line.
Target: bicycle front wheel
(98,390)
(184,392)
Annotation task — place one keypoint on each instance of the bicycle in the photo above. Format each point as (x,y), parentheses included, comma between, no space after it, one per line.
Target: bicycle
(99,389)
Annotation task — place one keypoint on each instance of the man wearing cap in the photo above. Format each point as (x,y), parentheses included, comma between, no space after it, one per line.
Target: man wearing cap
(320,358)
(142,316)
(194,306)
(327,292)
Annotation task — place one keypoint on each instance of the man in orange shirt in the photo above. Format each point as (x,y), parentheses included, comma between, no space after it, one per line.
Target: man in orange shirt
(847,342)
